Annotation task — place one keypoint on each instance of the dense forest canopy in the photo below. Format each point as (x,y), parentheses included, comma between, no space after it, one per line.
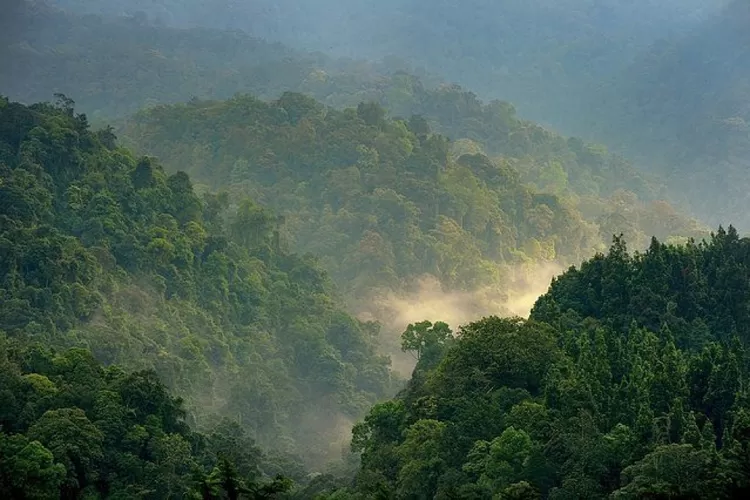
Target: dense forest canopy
(105,251)
(628,381)
(72,428)
(383,201)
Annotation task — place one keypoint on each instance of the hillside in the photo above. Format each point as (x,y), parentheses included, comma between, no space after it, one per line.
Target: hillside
(628,381)
(698,291)
(665,89)
(204,298)
(72,428)
(104,250)
(114,67)
(383,201)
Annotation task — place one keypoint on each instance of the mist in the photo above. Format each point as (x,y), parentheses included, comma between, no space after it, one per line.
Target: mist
(509,50)
(660,82)
(427,299)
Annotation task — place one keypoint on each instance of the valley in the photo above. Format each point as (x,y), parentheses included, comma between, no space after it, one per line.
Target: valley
(247,254)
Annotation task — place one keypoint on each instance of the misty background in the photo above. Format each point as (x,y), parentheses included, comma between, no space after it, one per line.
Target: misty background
(662,82)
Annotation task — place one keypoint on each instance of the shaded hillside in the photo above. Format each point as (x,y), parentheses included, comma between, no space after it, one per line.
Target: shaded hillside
(676,105)
(543,55)
(114,67)
(104,250)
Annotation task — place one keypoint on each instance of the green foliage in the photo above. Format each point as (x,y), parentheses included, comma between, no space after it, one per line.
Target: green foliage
(697,290)
(426,339)
(628,381)
(106,433)
(108,253)
(28,469)
(383,202)
(115,67)
(380,204)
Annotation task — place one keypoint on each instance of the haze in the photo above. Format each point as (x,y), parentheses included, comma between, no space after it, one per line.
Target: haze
(255,199)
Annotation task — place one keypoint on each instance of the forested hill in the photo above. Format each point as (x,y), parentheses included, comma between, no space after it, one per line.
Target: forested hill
(698,291)
(661,82)
(105,251)
(114,67)
(383,201)
(628,381)
(72,428)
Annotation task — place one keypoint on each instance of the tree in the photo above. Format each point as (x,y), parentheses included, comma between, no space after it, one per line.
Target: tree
(28,470)
(74,442)
(371,113)
(425,338)
(422,456)
(671,471)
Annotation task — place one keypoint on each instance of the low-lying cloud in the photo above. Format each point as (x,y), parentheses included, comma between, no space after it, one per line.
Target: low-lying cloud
(430,301)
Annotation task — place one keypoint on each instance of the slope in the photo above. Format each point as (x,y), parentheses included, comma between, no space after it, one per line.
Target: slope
(545,56)
(383,201)
(105,251)
(114,67)
(629,381)
(71,428)
(674,105)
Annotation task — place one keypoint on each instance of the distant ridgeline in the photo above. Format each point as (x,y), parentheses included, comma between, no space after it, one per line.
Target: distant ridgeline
(653,103)
(383,201)
(629,381)
(546,55)
(103,251)
(114,67)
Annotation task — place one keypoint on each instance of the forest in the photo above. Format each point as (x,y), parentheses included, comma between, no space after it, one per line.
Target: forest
(322,251)
(104,251)
(382,201)
(627,381)
(687,113)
